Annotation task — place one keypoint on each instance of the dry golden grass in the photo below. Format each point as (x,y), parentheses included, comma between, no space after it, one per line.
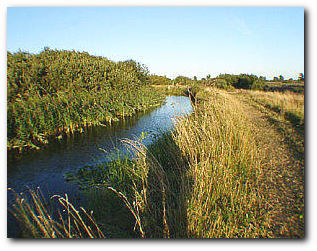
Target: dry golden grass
(38,221)
(281,139)
(225,167)
(290,105)
(222,173)
(203,180)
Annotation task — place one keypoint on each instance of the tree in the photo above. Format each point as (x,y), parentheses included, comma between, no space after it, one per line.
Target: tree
(159,80)
(262,78)
(281,78)
(208,80)
(182,80)
(275,79)
(301,77)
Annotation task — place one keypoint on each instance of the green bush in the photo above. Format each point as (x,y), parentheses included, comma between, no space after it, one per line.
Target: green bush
(159,80)
(57,92)
(242,81)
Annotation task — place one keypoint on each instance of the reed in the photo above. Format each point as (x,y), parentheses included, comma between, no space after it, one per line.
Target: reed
(58,92)
(38,220)
(171,90)
(224,168)
(290,105)
(202,180)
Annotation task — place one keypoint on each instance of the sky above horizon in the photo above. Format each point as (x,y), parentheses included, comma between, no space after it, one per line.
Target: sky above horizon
(171,41)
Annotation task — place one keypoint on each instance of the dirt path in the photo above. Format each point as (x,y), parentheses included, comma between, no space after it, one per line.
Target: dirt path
(283,167)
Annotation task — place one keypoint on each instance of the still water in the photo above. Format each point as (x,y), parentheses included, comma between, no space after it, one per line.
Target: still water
(46,168)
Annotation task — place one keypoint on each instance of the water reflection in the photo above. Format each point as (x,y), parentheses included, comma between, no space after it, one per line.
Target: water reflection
(47,167)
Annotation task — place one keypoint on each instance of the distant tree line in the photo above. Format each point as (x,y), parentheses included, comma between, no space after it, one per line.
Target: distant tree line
(241,81)
(227,81)
(281,78)
(222,81)
(159,80)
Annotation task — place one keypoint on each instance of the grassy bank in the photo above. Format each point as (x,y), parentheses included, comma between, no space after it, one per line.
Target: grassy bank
(57,92)
(226,171)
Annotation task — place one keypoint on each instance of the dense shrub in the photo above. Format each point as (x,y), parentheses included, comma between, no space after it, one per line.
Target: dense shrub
(54,92)
(242,81)
(181,80)
(159,80)
(222,83)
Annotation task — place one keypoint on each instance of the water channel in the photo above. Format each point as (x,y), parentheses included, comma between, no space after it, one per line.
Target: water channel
(46,168)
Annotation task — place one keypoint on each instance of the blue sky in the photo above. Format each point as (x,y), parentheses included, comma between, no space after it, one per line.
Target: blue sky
(171,41)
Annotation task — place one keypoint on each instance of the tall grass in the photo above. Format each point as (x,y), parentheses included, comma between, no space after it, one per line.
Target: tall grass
(289,105)
(200,181)
(225,167)
(203,180)
(41,219)
(57,92)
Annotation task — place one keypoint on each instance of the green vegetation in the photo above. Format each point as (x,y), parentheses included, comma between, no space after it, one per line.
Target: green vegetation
(231,169)
(242,81)
(281,79)
(159,80)
(181,80)
(228,82)
(171,90)
(286,86)
(56,92)
(301,77)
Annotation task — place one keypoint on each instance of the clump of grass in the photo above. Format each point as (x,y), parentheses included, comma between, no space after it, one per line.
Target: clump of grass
(39,221)
(157,190)
(289,105)
(146,185)
(124,177)
(224,166)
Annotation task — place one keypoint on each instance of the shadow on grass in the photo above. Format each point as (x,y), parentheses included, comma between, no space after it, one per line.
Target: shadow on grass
(295,147)
(111,214)
(167,190)
(163,191)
